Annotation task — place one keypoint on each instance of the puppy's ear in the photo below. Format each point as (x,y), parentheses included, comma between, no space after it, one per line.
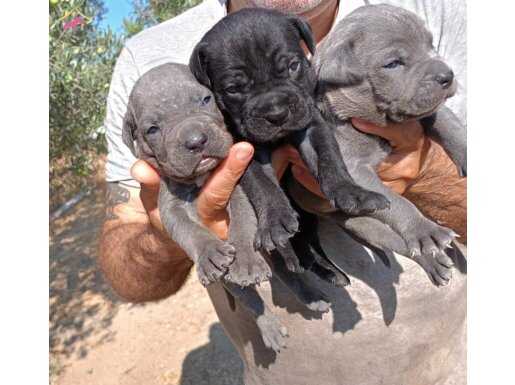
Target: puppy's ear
(341,68)
(305,32)
(129,129)
(198,64)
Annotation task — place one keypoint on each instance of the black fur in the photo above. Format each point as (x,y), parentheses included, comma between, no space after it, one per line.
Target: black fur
(264,85)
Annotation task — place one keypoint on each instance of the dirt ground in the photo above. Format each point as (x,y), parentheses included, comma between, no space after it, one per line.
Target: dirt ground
(95,338)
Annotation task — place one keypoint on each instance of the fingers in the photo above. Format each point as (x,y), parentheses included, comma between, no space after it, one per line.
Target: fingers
(288,154)
(143,172)
(282,156)
(216,192)
(307,180)
(406,135)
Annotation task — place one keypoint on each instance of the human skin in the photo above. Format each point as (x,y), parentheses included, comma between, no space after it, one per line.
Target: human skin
(142,263)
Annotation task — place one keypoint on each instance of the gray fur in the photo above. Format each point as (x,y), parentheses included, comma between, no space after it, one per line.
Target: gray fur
(179,109)
(353,82)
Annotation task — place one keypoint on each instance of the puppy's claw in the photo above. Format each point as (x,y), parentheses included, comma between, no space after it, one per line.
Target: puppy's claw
(355,200)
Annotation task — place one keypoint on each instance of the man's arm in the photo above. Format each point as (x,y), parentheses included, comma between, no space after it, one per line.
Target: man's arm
(137,258)
(140,262)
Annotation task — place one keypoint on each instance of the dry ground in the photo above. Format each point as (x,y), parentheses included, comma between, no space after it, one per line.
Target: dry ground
(96,339)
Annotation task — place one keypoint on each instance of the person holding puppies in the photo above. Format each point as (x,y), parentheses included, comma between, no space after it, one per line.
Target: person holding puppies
(415,325)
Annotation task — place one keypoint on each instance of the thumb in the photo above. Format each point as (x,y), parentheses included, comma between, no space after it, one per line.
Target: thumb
(143,172)
(217,190)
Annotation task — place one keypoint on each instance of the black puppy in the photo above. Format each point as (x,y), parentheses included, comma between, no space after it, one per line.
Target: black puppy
(264,85)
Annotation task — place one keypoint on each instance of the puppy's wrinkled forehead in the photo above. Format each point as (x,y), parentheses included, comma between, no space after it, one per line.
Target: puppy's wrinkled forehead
(167,90)
(383,28)
(251,40)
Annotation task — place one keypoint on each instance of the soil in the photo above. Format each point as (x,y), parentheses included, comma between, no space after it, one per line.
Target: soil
(96,338)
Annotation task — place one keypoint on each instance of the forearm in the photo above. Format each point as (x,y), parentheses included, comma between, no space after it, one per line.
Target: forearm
(139,262)
(440,193)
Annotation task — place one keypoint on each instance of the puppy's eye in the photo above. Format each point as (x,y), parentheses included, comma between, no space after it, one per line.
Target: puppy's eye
(231,90)
(294,66)
(153,130)
(206,100)
(394,64)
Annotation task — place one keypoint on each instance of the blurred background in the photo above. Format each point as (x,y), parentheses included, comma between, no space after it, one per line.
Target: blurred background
(95,338)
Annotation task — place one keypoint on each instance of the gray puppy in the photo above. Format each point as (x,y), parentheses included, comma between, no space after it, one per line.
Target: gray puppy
(379,64)
(178,129)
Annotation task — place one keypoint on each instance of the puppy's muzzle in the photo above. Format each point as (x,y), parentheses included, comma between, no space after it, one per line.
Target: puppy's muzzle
(275,108)
(193,131)
(440,73)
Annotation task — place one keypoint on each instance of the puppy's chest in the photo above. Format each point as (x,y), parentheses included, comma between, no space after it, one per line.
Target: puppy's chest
(184,192)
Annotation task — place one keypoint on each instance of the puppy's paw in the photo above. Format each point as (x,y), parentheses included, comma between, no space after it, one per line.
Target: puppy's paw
(276,227)
(274,334)
(427,242)
(248,268)
(214,261)
(354,200)
(437,265)
(426,237)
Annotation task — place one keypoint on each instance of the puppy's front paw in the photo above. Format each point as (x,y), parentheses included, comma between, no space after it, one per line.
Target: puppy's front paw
(248,268)
(214,261)
(437,265)
(354,200)
(272,332)
(426,243)
(276,227)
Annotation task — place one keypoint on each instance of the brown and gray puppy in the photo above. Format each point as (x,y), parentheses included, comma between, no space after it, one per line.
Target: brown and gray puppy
(379,64)
(173,123)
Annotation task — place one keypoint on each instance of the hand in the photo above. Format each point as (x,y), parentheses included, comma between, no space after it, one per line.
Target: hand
(213,197)
(409,149)
(397,171)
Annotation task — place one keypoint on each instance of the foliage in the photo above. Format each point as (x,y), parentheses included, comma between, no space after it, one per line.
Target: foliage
(82,56)
(150,12)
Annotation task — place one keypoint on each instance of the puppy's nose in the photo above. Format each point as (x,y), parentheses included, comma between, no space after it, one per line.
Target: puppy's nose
(277,116)
(195,141)
(445,79)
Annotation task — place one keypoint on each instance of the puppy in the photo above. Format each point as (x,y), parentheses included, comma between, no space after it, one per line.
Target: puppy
(178,129)
(379,64)
(264,85)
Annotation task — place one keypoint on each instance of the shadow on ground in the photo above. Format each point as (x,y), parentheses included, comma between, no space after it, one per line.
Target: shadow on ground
(216,363)
(81,303)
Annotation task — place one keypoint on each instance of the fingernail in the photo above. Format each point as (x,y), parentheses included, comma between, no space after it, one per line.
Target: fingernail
(244,153)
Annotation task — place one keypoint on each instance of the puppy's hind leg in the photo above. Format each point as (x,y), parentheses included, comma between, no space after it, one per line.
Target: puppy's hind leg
(306,245)
(310,297)
(249,266)
(272,331)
